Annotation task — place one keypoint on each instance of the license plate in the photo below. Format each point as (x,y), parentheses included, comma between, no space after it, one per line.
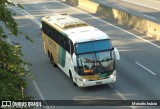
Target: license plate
(98,83)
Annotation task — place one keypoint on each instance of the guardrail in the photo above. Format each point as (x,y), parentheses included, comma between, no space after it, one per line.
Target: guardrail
(131,19)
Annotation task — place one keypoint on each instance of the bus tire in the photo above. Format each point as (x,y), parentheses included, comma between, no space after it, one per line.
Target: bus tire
(48,53)
(52,61)
(70,75)
(54,64)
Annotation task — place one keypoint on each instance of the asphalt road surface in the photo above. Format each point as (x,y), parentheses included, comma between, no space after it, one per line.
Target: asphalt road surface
(138,71)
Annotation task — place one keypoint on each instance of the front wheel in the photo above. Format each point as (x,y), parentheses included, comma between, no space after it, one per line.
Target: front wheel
(48,54)
(52,61)
(71,77)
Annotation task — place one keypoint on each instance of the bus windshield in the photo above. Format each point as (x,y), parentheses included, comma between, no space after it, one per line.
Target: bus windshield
(93,46)
(94,63)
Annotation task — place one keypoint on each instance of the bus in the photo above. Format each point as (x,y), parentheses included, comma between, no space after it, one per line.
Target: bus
(84,53)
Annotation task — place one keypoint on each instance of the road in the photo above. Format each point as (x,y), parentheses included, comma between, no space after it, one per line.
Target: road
(146,8)
(138,72)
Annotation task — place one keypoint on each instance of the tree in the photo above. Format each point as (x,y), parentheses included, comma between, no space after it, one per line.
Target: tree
(12,71)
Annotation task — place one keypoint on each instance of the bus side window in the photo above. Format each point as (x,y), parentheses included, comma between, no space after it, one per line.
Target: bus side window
(44,27)
(55,35)
(61,40)
(49,29)
(66,43)
(71,47)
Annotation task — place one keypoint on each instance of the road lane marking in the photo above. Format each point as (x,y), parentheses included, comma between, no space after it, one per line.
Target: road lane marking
(123,8)
(113,25)
(105,2)
(45,7)
(21,11)
(114,4)
(102,2)
(145,68)
(118,93)
(35,2)
(36,86)
(38,90)
(149,16)
(121,95)
(142,5)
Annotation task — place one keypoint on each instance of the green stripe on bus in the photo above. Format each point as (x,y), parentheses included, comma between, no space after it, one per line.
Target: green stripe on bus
(61,56)
(105,74)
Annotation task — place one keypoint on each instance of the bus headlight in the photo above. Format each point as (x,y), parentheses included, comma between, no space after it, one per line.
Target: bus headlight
(113,75)
(81,79)
(85,80)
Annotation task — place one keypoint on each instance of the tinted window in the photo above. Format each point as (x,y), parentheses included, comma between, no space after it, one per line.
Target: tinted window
(58,37)
(93,46)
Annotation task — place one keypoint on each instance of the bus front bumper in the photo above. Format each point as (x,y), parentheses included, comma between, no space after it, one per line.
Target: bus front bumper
(97,82)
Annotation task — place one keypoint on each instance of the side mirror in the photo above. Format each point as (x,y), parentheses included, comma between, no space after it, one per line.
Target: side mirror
(40,26)
(116,53)
(74,59)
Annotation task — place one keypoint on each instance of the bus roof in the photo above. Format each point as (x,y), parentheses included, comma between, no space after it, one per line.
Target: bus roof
(74,28)
(84,34)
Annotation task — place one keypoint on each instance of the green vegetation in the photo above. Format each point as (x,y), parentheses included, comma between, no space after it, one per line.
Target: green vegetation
(12,71)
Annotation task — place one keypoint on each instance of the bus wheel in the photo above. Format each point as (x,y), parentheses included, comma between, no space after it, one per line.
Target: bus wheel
(52,61)
(70,75)
(54,64)
(48,54)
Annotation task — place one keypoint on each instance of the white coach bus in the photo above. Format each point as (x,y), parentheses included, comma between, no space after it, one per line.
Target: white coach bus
(83,52)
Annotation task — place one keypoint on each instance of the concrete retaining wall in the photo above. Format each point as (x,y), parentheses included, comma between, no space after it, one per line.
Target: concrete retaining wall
(135,22)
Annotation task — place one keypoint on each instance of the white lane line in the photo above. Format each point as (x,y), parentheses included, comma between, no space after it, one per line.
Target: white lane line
(36,86)
(145,68)
(35,2)
(142,5)
(149,16)
(123,8)
(113,25)
(115,4)
(118,93)
(102,2)
(38,2)
(38,90)
(121,95)
(45,7)
(28,15)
